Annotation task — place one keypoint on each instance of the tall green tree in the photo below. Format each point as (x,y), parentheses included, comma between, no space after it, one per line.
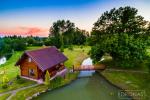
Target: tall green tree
(60,28)
(65,33)
(121,20)
(119,32)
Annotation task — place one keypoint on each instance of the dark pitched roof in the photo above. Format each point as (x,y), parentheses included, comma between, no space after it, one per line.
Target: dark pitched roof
(45,58)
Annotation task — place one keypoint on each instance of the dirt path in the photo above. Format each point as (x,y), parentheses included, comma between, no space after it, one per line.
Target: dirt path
(13,92)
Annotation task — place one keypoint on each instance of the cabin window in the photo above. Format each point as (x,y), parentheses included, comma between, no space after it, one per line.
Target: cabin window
(61,64)
(31,72)
(57,66)
(29,59)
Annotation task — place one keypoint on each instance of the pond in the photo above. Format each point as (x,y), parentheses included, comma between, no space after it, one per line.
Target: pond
(91,87)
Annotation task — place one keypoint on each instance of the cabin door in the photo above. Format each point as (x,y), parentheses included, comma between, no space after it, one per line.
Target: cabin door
(32,73)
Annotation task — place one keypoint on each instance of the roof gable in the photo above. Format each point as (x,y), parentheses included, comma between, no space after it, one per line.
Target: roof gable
(45,58)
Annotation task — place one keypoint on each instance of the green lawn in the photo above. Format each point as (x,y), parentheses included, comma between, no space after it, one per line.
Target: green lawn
(23,94)
(130,81)
(76,56)
(5,96)
(11,71)
(9,67)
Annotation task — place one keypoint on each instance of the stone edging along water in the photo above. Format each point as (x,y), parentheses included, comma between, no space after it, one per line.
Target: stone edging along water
(47,90)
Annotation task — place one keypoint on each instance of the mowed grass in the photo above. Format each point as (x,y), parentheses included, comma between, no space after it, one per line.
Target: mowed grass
(130,81)
(5,96)
(76,56)
(9,67)
(23,94)
(11,71)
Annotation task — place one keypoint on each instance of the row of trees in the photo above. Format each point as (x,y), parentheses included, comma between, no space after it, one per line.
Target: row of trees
(123,34)
(63,33)
(10,44)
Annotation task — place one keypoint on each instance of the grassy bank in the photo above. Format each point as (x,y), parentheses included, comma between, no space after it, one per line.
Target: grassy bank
(130,81)
(23,94)
(5,96)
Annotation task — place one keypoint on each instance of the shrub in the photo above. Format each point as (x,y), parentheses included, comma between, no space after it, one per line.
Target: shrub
(20,81)
(56,82)
(81,47)
(62,49)
(47,78)
(18,77)
(5,79)
(4,86)
(70,47)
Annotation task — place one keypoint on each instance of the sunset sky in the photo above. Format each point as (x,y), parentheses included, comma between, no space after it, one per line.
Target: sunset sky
(34,17)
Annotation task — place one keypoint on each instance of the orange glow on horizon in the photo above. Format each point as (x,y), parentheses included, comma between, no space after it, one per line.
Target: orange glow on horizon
(24,31)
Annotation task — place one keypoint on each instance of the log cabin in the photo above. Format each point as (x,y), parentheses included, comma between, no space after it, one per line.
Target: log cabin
(34,64)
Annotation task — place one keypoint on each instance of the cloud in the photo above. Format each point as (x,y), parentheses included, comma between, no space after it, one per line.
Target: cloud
(25,31)
(34,30)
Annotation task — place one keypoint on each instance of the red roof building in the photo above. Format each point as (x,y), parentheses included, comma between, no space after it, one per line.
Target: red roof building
(33,64)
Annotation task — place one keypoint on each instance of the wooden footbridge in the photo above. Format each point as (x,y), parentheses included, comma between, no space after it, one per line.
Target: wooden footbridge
(89,67)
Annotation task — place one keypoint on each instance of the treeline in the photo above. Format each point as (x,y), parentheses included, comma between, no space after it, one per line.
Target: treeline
(9,44)
(62,34)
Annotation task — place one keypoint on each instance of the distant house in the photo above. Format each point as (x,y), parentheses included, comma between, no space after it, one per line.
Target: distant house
(34,64)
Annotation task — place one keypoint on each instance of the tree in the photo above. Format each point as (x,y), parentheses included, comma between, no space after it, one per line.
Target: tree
(79,36)
(122,20)
(47,78)
(64,33)
(30,40)
(5,49)
(60,28)
(119,33)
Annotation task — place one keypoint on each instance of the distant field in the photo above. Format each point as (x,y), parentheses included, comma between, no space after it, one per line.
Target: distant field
(76,56)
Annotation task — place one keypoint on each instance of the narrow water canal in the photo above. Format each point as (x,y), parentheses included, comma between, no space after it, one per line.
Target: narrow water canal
(93,87)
